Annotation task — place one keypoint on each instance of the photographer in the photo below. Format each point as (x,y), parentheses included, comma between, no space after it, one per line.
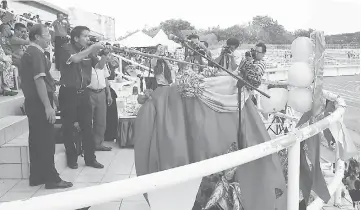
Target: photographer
(227,59)
(254,57)
(162,69)
(193,57)
(253,68)
(77,62)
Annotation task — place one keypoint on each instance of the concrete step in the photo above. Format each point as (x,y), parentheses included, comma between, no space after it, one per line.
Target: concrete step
(10,105)
(12,127)
(15,161)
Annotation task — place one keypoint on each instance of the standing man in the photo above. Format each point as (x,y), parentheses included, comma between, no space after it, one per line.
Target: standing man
(227,58)
(77,62)
(61,26)
(99,93)
(38,87)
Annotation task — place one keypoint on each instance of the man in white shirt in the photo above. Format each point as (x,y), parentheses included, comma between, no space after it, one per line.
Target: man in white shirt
(100,97)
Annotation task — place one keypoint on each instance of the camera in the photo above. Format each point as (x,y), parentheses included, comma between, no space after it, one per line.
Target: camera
(200,50)
(93,40)
(253,53)
(226,50)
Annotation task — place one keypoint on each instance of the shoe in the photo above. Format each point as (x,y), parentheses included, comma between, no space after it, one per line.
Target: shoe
(58,185)
(103,148)
(73,165)
(94,164)
(9,93)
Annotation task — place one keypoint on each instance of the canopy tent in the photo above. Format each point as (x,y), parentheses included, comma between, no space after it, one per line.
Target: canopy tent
(138,39)
(162,38)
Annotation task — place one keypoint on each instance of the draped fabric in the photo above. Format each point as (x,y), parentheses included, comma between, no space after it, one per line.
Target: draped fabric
(171,131)
(125,132)
(221,95)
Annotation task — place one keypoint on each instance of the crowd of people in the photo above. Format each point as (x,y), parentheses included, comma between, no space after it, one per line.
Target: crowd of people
(351,181)
(14,41)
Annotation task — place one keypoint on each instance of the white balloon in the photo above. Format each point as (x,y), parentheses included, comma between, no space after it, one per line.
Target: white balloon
(300,99)
(301,48)
(300,75)
(276,102)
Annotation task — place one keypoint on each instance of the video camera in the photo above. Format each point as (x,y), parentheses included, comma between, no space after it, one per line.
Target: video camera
(226,50)
(93,40)
(253,53)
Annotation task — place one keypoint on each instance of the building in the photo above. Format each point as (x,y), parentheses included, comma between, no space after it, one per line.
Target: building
(99,24)
(45,10)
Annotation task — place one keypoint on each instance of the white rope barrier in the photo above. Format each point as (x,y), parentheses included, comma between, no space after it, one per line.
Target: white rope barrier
(108,192)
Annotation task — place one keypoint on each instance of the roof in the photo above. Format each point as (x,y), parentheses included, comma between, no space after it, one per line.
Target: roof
(138,39)
(162,38)
(55,9)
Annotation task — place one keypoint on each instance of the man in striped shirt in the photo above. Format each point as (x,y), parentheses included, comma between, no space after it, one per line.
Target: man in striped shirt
(252,70)
(260,51)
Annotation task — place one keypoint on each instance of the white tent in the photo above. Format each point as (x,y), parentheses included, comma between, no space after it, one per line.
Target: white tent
(139,39)
(162,38)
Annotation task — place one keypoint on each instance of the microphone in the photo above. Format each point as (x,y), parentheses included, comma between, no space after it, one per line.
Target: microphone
(177,39)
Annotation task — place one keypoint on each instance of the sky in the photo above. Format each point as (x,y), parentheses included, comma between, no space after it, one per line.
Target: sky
(330,16)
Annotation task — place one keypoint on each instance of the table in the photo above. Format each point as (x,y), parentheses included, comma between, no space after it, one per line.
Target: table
(125,131)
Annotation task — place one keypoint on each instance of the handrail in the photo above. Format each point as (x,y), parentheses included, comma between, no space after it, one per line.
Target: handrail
(151,182)
(326,67)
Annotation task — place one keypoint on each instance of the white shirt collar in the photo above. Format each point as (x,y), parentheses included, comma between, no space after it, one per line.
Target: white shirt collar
(37,46)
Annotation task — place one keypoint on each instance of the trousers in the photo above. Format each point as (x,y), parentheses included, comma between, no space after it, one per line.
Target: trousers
(99,116)
(41,143)
(75,107)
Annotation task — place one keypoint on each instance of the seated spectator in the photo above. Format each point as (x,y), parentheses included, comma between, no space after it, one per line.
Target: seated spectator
(18,43)
(4,4)
(29,25)
(7,70)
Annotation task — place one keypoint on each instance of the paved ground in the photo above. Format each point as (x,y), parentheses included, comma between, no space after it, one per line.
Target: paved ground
(119,164)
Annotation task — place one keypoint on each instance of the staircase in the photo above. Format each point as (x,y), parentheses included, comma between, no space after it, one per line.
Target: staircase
(14,148)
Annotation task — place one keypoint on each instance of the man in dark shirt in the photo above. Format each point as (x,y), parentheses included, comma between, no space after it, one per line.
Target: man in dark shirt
(77,61)
(61,26)
(38,87)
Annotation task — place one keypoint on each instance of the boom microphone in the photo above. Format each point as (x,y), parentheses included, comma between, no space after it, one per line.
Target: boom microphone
(177,39)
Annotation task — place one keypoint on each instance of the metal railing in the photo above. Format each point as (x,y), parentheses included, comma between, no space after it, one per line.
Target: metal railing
(108,192)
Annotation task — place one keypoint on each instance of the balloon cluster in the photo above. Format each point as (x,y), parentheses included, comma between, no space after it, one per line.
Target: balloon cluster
(300,78)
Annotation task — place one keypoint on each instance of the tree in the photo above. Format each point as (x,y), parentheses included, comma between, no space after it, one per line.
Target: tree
(174,26)
(269,30)
(211,38)
(303,33)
